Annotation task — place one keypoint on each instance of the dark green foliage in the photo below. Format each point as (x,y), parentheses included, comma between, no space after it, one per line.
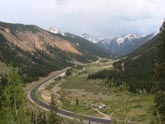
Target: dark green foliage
(33,65)
(12,99)
(53,104)
(159,74)
(136,69)
(77,101)
(13,106)
(52,117)
(68,72)
(19,27)
(2,38)
(38,117)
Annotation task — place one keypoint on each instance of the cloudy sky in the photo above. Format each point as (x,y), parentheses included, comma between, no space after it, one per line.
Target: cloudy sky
(103,18)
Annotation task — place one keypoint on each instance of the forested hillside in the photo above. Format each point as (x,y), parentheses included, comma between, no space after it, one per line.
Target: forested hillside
(32,65)
(86,47)
(142,71)
(136,69)
(37,52)
(159,76)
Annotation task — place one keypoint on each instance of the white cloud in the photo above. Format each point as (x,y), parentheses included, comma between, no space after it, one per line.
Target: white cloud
(97,17)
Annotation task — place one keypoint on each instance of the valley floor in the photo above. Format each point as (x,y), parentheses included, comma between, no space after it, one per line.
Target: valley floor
(95,98)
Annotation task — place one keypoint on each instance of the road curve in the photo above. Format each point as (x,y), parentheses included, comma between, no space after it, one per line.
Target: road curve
(33,98)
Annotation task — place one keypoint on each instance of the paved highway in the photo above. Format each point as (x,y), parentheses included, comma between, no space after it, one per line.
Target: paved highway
(33,98)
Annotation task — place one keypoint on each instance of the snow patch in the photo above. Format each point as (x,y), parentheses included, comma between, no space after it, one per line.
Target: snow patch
(56,31)
(90,38)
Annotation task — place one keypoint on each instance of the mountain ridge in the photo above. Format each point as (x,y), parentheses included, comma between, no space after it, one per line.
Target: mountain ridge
(29,41)
(121,45)
(37,52)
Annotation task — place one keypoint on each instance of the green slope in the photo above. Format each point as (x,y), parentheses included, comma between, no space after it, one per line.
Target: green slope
(136,69)
(40,63)
(139,66)
(31,66)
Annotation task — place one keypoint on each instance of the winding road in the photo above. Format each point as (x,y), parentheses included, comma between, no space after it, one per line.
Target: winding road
(32,96)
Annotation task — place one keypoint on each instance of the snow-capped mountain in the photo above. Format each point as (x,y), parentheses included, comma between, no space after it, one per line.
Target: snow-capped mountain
(90,38)
(129,37)
(125,44)
(120,40)
(120,45)
(56,31)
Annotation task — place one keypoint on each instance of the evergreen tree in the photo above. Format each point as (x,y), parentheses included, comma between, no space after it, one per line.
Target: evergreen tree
(77,101)
(159,74)
(52,117)
(12,99)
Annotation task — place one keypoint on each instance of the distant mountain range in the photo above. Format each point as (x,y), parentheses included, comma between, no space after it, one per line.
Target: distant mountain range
(82,44)
(119,46)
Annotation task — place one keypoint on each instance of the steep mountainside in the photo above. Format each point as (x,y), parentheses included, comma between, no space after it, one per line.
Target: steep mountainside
(31,38)
(87,48)
(136,69)
(139,65)
(122,45)
(3,67)
(125,44)
(37,52)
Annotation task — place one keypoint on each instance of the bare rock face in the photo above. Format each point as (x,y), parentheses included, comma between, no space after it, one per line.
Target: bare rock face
(29,41)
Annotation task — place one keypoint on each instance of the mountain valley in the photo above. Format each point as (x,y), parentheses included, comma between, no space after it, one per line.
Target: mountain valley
(88,79)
